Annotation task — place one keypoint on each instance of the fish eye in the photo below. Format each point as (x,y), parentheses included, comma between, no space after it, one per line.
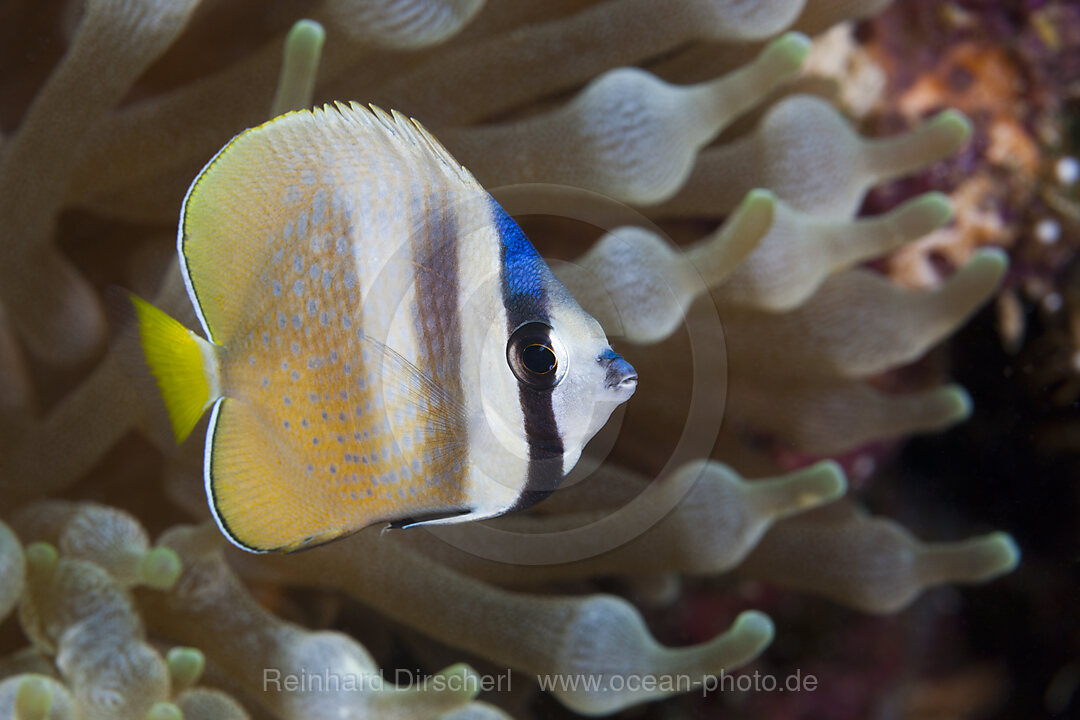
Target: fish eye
(539,359)
(533,355)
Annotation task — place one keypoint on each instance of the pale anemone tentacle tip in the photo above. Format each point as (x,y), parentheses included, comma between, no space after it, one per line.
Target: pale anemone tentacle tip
(31,696)
(800,251)
(807,152)
(873,564)
(186,665)
(160,568)
(476,710)
(299,65)
(749,635)
(636,284)
(830,336)
(164,711)
(41,558)
(816,485)
(33,699)
(209,704)
(958,402)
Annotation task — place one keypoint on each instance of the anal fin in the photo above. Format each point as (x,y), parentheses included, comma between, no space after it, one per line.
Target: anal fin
(255,486)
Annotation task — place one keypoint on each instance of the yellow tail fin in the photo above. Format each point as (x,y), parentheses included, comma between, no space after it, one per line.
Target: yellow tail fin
(182,363)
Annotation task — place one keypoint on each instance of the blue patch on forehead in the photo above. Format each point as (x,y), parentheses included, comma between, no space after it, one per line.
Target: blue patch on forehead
(523,270)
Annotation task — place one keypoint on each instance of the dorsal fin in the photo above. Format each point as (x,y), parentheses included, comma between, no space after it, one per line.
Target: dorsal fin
(304,174)
(410,130)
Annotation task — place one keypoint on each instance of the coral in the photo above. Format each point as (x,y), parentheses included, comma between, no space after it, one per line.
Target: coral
(762,328)
(1012,70)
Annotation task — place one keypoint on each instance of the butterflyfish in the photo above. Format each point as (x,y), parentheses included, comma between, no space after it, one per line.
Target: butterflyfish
(382,342)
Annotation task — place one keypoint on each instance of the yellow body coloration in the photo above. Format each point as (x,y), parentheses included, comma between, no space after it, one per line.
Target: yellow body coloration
(358,290)
(302,447)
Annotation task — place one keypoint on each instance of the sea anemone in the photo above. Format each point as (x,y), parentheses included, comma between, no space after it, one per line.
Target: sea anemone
(621,134)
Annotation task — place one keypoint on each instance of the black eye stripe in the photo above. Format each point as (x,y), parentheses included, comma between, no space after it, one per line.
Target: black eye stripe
(522,305)
(531,354)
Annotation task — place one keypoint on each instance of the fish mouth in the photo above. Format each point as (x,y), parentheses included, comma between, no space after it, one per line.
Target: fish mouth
(620,377)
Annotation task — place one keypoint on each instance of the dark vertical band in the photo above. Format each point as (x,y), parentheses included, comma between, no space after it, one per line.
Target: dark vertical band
(525,298)
(437,318)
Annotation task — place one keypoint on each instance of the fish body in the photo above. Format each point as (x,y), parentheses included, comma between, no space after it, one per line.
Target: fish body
(383,343)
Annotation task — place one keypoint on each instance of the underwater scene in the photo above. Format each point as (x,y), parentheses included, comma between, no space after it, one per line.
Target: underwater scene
(488,359)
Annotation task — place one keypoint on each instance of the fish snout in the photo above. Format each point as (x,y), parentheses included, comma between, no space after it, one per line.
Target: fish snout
(620,376)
